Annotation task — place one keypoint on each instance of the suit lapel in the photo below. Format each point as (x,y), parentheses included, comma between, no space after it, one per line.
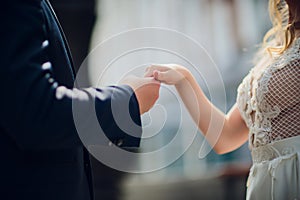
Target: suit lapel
(63,64)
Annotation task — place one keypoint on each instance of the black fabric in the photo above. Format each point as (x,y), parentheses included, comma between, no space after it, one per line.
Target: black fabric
(41,154)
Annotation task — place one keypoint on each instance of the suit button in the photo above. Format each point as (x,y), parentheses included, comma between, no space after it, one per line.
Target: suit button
(51,80)
(46,66)
(110,143)
(45,44)
(47,76)
(60,92)
(55,85)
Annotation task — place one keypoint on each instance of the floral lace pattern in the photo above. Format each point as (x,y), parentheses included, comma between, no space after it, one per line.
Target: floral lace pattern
(269,99)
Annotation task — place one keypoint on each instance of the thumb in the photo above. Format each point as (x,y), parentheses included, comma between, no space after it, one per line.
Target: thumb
(160,76)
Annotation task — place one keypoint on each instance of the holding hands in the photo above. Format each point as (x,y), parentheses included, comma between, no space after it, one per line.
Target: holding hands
(203,112)
(147,89)
(228,131)
(170,74)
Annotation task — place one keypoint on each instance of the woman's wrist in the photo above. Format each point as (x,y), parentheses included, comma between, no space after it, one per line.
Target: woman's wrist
(187,75)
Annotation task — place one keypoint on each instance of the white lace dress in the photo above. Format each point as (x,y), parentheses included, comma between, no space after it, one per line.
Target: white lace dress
(269,102)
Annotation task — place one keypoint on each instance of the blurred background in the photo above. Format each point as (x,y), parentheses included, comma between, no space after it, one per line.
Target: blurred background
(229,30)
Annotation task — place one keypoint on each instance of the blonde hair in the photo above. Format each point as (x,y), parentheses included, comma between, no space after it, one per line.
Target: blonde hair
(282,34)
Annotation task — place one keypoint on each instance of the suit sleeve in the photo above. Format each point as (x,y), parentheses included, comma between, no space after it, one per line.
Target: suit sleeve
(37,112)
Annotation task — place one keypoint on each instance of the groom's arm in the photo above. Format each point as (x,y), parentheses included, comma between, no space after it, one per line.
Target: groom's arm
(36,112)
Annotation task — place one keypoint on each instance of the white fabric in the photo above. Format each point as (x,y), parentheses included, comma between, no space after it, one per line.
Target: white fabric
(275,171)
(269,98)
(269,102)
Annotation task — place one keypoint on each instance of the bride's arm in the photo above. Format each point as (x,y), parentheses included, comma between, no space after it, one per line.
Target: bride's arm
(224,132)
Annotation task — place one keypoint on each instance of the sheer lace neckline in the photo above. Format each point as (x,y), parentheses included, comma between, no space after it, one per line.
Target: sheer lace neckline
(260,99)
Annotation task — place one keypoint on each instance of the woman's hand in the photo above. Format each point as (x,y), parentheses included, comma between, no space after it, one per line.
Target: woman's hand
(170,74)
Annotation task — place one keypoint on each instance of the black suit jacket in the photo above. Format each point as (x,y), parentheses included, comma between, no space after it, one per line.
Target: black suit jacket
(41,154)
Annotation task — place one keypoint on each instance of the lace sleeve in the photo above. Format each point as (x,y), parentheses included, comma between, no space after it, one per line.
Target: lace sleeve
(284,86)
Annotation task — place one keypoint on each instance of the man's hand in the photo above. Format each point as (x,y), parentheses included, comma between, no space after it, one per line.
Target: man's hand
(145,89)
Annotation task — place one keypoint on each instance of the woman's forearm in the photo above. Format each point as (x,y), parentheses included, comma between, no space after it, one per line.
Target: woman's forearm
(224,132)
(213,123)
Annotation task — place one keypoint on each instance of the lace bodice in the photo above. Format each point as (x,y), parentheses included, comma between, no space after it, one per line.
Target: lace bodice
(269,98)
